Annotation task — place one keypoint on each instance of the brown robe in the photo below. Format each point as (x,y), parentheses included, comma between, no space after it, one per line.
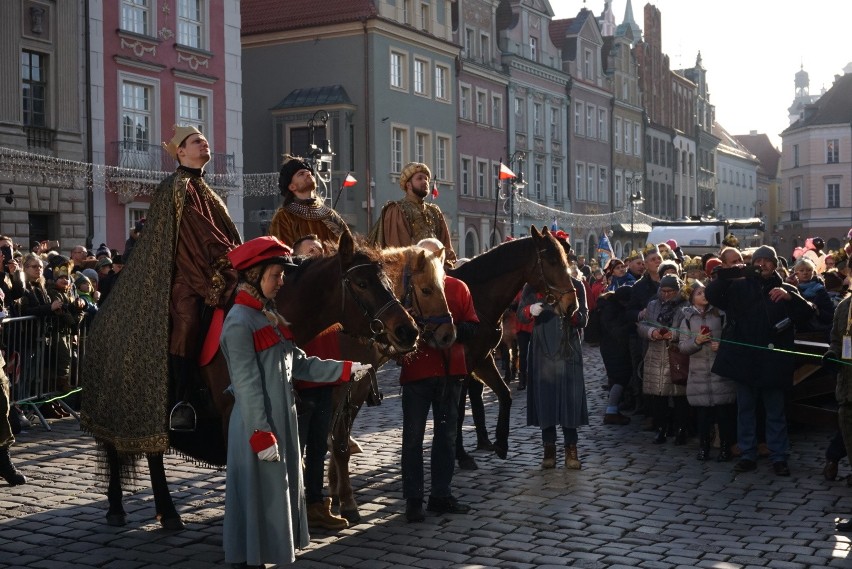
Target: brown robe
(405,222)
(304,217)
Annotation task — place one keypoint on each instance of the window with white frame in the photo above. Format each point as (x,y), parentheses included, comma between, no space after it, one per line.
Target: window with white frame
(481,107)
(399,145)
(469,45)
(796,197)
(603,126)
(591,182)
(628,148)
(537,119)
(637,148)
(590,121)
(485,48)
(578,118)
(34,88)
(603,184)
(193,111)
(425,18)
(481,178)
(136,212)
(464,102)
(398,68)
(442,163)
(832,194)
(555,126)
(538,174)
(496,111)
(617,134)
(422,147)
(136,16)
(136,115)
(618,189)
(520,115)
(465,176)
(832,151)
(555,179)
(191,23)
(533,48)
(421,77)
(580,180)
(442,83)
(587,65)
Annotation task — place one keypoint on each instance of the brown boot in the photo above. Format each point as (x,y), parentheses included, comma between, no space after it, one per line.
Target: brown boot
(571,460)
(320,516)
(549,456)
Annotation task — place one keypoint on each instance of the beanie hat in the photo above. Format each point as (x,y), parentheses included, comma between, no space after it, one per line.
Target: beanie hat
(291,165)
(667,266)
(102,250)
(711,264)
(80,279)
(765,252)
(410,169)
(91,274)
(670,281)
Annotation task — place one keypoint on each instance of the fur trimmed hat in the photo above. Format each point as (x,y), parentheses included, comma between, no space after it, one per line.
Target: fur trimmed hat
(667,265)
(289,167)
(410,169)
(181,134)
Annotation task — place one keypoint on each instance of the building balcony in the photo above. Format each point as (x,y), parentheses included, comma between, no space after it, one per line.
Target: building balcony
(39,139)
(154,158)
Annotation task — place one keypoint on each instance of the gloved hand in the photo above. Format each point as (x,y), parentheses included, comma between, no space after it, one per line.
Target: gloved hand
(536,309)
(359,370)
(265,445)
(829,361)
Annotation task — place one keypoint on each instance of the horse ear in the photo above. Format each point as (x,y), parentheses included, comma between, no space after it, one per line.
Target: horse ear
(534,232)
(420,261)
(346,248)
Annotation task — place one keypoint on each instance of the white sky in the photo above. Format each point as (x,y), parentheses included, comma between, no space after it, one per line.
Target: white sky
(751,50)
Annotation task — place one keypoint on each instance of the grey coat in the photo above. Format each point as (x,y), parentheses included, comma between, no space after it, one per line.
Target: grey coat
(657,378)
(265,518)
(704,388)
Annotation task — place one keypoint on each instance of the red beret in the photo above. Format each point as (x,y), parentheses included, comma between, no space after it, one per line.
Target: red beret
(258,250)
(672,243)
(711,264)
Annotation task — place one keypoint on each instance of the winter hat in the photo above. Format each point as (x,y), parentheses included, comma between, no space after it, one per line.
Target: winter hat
(91,274)
(410,169)
(671,281)
(102,250)
(711,264)
(667,266)
(104,262)
(765,252)
(80,279)
(291,165)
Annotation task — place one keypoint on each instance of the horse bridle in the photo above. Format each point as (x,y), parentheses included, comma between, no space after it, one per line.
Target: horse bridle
(411,302)
(377,327)
(554,294)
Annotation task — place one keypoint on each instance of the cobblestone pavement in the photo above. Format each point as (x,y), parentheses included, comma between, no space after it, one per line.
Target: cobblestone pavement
(634,504)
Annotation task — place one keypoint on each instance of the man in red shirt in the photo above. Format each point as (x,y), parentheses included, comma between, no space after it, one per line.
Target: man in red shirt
(432,378)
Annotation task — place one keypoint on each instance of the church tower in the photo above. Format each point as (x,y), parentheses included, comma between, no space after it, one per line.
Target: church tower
(802,96)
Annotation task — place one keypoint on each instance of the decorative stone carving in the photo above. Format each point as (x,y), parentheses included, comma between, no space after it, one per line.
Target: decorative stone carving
(193,60)
(165,33)
(37,14)
(139,48)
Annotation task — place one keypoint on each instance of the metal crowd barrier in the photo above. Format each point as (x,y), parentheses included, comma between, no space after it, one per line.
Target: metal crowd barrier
(37,356)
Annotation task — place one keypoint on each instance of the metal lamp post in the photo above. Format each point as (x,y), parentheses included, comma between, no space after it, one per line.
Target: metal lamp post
(320,157)
(635,199)
(517,183)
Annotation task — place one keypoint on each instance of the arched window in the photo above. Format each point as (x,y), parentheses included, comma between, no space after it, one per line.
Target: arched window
(471,243)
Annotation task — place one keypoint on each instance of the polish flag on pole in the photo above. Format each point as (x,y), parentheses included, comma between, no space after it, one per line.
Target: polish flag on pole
(349,181)
(435,190)
(505,173)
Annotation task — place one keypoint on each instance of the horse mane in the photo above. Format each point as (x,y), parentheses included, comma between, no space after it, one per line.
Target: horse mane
(395,259)
(503,258)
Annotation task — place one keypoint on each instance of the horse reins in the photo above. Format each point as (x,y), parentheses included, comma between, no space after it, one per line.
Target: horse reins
(377,327)
(555,293)
(411,302)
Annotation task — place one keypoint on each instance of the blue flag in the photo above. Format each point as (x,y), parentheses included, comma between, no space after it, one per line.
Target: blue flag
(604,249)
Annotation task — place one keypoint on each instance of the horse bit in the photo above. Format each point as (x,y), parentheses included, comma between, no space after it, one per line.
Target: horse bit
(411,302)
(377,327)
(555,294)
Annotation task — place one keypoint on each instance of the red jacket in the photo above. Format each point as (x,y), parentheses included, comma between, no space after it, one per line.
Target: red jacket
(521,326)
(326,345)
(430,362)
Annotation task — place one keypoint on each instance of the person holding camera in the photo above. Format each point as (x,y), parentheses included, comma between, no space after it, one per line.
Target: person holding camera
(762,313)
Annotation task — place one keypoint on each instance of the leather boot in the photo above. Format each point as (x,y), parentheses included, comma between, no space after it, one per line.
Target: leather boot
(571,459)
(320,516)
(725,453)
(8,471)
(549,460)
(661,436)
(704,450)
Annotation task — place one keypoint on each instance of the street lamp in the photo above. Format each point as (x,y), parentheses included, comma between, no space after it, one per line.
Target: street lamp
(320,157)
(517,183)
(635,200)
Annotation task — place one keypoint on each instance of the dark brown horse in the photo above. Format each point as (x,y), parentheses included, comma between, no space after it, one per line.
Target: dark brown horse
(349,288)
(417,277)
(494,278)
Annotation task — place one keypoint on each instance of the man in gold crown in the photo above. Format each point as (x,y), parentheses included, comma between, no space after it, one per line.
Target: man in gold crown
(635,264)
(411,219)
(303,212)
(174,287)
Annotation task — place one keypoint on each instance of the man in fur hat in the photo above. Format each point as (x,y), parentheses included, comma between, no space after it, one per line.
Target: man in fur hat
(411,219)
(303,212)
(176,284)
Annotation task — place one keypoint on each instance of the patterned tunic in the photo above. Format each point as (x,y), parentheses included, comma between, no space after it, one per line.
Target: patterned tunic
(303,217)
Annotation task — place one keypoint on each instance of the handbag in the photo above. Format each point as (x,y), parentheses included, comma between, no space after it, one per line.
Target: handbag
(678,365)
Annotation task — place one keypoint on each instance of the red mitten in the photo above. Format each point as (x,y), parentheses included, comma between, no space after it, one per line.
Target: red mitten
(262,440)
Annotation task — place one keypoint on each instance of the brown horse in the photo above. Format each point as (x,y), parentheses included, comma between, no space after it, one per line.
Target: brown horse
(417,277)
(494,278)
(348,288)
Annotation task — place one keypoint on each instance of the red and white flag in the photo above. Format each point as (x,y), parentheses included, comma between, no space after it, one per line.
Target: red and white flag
(435,190)
(505,173)
(349,181)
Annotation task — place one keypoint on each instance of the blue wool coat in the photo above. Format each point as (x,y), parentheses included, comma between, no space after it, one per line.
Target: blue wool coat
(265,518)
(556,390)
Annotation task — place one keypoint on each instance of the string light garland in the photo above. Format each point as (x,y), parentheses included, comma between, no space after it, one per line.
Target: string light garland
(530,209)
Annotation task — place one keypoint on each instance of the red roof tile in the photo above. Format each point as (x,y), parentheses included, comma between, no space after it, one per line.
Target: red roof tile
(262,16)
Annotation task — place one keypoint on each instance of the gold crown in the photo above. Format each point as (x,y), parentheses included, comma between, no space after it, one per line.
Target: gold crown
(634,254)
(731,240)
(650,248)
(692,263)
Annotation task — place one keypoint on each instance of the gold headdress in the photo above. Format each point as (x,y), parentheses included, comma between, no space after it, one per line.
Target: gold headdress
(692,263)
(650,248)
(634,254)
(731,240)
(181,134)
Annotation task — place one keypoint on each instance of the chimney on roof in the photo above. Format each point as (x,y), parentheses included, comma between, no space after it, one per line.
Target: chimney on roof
(752,132)
(810,111)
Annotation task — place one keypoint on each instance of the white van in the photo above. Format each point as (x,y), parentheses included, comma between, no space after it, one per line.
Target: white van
(693,237)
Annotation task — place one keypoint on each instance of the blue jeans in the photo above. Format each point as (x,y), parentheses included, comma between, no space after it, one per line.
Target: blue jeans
(569,434)
(776,422)
(314,422)
(442,396)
